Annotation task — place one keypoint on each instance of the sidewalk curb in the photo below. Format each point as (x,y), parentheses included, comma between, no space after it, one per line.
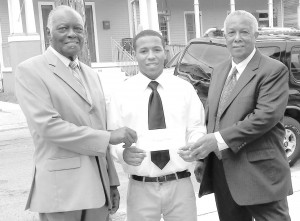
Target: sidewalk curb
(10,127)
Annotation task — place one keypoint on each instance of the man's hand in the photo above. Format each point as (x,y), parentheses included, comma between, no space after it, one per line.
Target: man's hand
(204,146)
(115,199)
(134,156)
(123,135)
(199,170)
(185,154)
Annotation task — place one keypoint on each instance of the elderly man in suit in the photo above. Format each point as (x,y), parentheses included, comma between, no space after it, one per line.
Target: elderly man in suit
(245,164)
(62,99)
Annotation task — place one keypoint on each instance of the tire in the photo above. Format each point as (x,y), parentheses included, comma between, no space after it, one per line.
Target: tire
(291,142)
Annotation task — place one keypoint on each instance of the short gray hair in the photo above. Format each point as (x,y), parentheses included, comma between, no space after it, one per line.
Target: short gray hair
(51,15)
(252,19)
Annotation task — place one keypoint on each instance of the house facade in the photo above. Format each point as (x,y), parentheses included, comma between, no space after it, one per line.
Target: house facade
(109,22)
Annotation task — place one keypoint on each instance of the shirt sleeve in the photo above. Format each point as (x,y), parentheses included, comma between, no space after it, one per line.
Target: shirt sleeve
(220,141)
(196,117)
(113,123)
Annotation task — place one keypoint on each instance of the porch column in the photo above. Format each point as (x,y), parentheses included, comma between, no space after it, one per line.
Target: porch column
(15,18)
(29,13)
(21,46)
(149,15)
(298,14)
(232,5)
(153,15)
(270,4)
(197,19)
(1,53)
(144,21)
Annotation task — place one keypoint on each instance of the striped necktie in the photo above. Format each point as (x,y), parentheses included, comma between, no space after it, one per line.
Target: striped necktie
(227,89)
(76,72)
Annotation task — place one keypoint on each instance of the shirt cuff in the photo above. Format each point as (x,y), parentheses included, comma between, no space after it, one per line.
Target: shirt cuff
(120,151)
(220,141)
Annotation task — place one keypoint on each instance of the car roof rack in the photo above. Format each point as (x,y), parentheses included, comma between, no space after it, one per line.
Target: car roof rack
(266,31)
(279,31)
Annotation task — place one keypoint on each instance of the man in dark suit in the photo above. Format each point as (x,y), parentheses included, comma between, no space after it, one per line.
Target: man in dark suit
(74,176)
(244,161)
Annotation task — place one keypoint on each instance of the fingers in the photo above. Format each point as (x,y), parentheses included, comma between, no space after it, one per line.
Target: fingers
(186,148)
(196,145)
(134,156)
(115,199)
(132,136)
(186,156)
(123,135)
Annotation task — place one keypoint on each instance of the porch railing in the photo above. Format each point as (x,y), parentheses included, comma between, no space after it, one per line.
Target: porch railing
(173,49)
(124,60)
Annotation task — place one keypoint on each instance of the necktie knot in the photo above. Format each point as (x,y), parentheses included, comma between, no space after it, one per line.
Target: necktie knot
(73,65)
(233,74)
(153,85)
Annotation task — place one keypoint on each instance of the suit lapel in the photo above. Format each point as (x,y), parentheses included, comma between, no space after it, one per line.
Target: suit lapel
(218,84)
(246,77)
(90,81)
(63,72)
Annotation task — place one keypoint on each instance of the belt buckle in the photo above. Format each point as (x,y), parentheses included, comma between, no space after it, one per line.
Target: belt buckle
(161,179)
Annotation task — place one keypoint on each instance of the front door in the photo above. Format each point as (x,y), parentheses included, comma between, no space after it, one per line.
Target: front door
(190,27)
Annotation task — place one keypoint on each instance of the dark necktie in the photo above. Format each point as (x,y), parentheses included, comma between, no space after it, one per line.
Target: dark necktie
(156,120)
(156,117)
(227,89)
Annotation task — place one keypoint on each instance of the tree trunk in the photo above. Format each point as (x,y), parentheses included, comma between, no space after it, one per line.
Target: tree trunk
(79,6)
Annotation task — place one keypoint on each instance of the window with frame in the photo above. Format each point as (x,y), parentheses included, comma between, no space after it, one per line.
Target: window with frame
(46,7)
(295,63)
(45,11)
(163,27)
(272,51)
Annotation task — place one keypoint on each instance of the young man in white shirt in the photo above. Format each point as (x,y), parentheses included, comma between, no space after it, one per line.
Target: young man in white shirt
(157,189)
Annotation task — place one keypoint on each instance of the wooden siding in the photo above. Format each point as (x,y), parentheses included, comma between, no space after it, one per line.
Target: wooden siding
(214,13)
(4,31)
(290,13)
(115,11)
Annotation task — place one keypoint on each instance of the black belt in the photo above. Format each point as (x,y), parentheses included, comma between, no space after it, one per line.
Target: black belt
(161,179)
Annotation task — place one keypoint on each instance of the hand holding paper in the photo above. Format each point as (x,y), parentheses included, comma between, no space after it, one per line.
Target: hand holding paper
(134,156)
(185,153)
(203,146)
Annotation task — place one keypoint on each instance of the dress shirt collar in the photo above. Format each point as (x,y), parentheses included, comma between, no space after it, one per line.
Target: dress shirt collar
(242,65)
(66,61)
(144,80)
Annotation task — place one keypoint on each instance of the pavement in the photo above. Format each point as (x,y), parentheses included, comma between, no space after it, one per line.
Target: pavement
(12,118)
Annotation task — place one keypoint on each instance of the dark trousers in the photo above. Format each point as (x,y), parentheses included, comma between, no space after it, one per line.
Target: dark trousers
(101,214)
(229,210)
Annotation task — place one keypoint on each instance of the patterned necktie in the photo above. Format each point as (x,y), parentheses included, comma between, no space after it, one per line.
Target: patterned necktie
(76,72)
(156,120)
(227,89)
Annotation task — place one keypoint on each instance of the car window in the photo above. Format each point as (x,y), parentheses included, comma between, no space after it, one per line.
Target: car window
(295,63)
(173,61)
(272,51)
(205,54)
(199,59)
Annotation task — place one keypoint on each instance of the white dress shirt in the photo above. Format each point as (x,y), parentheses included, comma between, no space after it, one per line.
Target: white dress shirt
(240,67)
(184,117)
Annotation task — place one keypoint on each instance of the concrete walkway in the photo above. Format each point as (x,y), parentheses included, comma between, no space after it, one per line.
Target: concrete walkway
(12,118)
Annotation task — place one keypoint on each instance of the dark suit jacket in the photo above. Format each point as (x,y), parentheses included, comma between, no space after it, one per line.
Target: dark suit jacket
(68,132)
(255,164)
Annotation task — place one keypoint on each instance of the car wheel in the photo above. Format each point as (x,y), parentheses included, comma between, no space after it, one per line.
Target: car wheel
(292,139)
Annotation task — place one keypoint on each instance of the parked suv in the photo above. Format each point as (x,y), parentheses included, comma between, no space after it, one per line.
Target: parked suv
(200,56)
